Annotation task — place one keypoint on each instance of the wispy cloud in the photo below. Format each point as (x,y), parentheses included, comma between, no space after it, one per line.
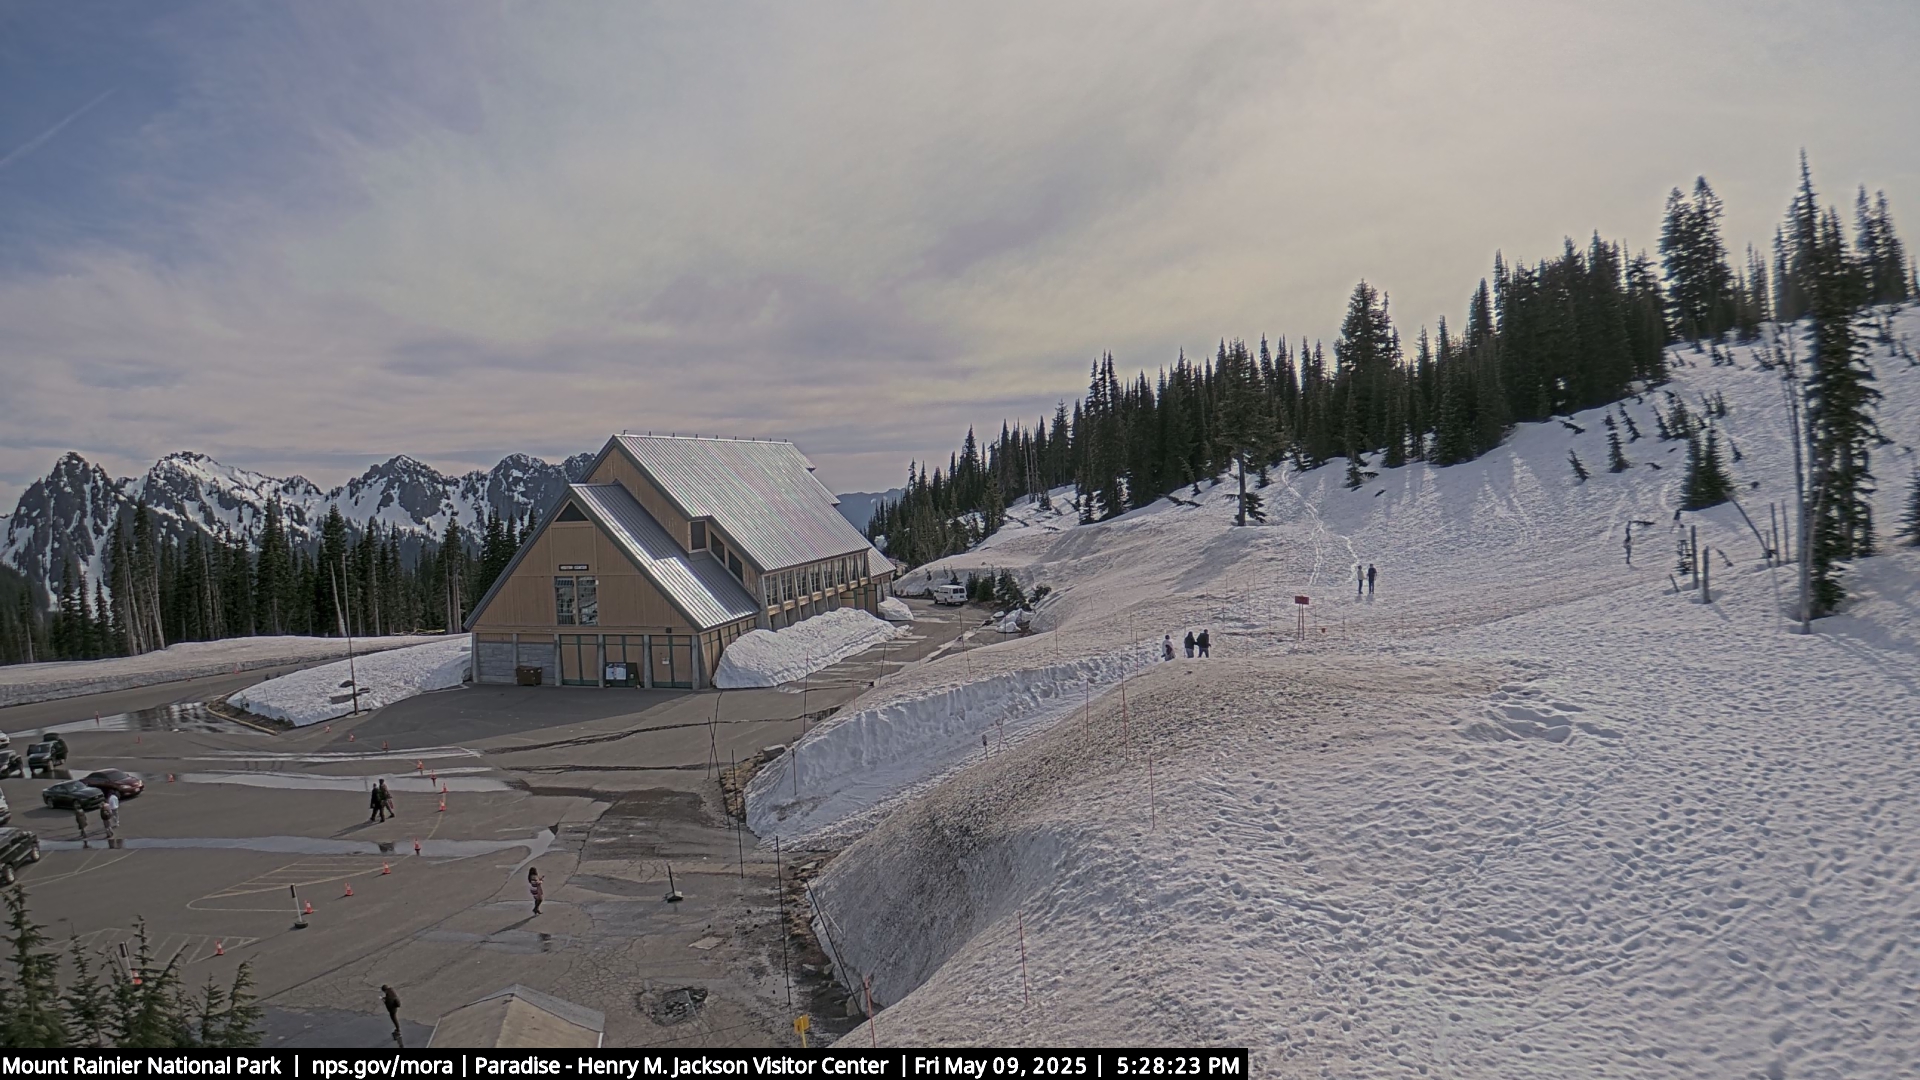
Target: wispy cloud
(44,137)
(337,232)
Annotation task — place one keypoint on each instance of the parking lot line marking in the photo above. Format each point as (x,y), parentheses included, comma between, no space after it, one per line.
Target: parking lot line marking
(303,872)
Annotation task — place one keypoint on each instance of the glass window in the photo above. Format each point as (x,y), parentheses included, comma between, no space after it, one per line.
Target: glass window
(699,535)
(719,550)
(733,564)
(587,600)
(563,601)
(786,586)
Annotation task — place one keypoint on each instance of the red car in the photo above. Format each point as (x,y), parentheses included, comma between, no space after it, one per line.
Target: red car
(119,781)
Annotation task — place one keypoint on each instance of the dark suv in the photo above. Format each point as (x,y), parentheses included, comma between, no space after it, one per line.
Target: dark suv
(18,848)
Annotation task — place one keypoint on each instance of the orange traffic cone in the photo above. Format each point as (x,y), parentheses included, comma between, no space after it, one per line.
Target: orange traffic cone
(308,909)
(329,729)
(349,736)
(384,869)
(349,891)
(169,778)
(383,744)
(420,767)
(136,739)
(443,802)
(219,948)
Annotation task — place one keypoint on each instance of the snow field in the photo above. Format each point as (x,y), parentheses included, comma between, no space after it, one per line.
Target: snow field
(322,693)
(772,657)
(22,684)
(1524,812)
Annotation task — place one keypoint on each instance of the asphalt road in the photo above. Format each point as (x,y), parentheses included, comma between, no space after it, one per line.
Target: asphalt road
(605,792)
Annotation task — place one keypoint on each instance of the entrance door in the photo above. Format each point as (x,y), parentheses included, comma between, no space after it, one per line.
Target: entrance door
(672,661)
(579,660)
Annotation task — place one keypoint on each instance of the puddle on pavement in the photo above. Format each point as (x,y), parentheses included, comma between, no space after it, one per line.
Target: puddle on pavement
(522,942)
(419,785)
(192,716)
(406,757)
(536,845)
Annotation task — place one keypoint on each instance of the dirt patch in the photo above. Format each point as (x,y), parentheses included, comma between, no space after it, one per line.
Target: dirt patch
(670,1007)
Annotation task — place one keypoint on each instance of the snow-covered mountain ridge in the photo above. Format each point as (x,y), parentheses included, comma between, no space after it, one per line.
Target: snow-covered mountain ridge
(70,513)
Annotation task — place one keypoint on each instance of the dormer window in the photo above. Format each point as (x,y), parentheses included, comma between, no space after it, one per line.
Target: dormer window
(570,512)
(699,535)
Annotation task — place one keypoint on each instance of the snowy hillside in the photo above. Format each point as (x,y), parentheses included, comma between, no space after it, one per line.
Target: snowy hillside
(1525,811)
(70,514)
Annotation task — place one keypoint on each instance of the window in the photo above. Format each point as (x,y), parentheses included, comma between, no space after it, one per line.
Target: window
(733,564)
(587,600)
(786,586)
(571,512)
(699,535)
(563,601)
(719,550)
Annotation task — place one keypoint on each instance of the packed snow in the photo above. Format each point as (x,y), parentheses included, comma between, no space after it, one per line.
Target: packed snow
(326,692)
(895,610)
(22,684)
(1525,810)
(772,657)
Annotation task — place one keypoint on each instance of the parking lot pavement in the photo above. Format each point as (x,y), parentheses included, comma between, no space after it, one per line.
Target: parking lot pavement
(611,794)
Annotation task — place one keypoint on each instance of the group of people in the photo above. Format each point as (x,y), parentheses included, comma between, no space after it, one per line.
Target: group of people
(1196,645)
(1363,582)
(109,818)
(381,800)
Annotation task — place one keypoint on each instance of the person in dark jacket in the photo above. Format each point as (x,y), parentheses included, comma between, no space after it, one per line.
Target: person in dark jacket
(1370,576)
(386,798)
(392,1001)
(378,804)
(1166,647)
(1190,644)
(1203,642)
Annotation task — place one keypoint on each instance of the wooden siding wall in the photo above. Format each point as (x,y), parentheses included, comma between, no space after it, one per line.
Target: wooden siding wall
(627,599)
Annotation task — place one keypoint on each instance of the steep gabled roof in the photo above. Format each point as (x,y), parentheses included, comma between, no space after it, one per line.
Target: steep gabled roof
(763,495)
(696,585)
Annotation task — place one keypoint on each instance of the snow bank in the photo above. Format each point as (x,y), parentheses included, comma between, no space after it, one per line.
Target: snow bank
(323,693)
(893,609)
(21,684)
(830,784)
(772,657)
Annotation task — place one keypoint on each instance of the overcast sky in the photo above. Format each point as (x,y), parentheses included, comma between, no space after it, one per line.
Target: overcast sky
(306,237)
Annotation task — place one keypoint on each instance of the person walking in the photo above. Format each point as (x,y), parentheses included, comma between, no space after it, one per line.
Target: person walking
(386,798)
(539,888)
(1190,644)
(392,1001)
(107,816)
(378,804)
(1359,582)
(80,819)
(1370,576)
(1166,648)
(1629,543)
(1204,643)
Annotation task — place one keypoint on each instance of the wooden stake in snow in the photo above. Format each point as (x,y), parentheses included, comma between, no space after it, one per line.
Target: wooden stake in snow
(1026,991)
(866,987)
(1153,822)
(1126,738)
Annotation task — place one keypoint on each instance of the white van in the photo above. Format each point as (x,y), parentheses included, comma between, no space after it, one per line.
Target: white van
(950,595)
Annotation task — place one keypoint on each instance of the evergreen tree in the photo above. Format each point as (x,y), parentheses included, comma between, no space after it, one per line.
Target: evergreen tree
(1579,470)
(1707,482)
(1699,283)
(30,1001)
(1616,458)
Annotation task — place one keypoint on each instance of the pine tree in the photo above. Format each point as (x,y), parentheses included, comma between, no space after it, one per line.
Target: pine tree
(1616,458)
(1707,482)
(30,1004)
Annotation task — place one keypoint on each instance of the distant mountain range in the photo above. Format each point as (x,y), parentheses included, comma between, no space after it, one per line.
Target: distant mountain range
(70,513)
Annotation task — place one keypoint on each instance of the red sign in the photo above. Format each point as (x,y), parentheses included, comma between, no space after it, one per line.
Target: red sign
(1301,600)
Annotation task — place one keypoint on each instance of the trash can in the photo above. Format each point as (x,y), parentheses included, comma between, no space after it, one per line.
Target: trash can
(526,676)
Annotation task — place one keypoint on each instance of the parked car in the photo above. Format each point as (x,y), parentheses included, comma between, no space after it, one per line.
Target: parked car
(119,781)
(44,757)
(950,595)
(6,812)
(11,764)
(18,848)
(68,794)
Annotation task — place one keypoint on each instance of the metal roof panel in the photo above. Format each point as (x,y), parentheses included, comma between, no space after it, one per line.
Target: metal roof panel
(763,495)
(697,584)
